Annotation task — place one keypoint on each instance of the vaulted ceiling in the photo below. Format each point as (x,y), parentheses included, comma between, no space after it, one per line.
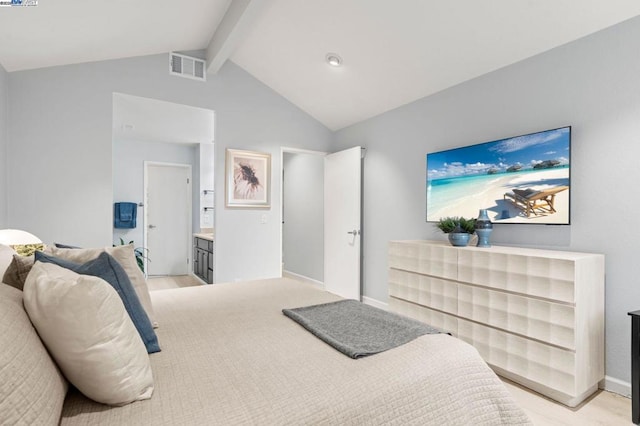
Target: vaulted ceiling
(393,52)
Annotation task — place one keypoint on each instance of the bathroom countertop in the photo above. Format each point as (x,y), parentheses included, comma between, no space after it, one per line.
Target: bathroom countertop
(204,236)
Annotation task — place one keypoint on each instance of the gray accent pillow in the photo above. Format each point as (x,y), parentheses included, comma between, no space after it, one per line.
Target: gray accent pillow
(107,268)
(6,257)
(17,271)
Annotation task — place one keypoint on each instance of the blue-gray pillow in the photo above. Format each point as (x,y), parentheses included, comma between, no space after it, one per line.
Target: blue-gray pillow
(107,268)
(65,246)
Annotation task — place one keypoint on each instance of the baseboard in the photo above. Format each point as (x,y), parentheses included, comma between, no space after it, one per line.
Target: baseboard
(198,278)
(617,386)
(366,300)
(375,303)
(294,276)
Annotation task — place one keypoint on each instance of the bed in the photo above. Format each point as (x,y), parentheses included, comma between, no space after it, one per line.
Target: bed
(229,356)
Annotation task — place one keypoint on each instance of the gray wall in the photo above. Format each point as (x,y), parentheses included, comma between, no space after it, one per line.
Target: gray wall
(592,84)
(303,227)
(128,177)
(60,185)
(4,105)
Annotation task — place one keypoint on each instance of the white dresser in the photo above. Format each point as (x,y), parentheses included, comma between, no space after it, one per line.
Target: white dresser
(535,316)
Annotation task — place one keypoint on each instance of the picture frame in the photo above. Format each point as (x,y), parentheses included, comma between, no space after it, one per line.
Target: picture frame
(248,179)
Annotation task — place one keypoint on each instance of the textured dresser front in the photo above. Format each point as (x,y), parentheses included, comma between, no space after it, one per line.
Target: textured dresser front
(520,308)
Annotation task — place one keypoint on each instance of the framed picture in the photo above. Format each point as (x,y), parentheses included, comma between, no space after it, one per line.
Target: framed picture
(248,183)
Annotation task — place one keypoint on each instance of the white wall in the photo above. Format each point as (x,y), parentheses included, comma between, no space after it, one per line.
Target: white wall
(303,226)
(4,105)
(128,177)
(135,117)
(60,132)
(592,84)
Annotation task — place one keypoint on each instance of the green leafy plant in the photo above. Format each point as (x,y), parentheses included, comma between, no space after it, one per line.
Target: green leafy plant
(456,224)
(140,252)
(27,249)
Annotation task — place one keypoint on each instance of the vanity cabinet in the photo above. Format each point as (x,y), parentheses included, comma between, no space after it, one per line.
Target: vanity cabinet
(203,259)
(535,316)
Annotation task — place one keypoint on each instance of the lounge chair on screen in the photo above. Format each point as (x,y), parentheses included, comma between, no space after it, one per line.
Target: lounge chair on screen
(535,202)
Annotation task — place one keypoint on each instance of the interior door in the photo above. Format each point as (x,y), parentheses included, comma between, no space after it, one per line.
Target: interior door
(168,214)
(342,222)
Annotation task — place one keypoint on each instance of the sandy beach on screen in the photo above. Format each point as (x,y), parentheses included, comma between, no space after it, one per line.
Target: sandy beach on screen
(502,210)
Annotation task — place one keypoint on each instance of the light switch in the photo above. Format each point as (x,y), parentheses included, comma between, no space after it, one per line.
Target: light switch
(263,219)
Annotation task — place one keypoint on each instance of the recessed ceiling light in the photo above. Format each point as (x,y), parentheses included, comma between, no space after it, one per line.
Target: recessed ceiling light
(333,59)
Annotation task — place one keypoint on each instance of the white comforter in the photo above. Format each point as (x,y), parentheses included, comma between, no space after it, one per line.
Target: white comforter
(229,356)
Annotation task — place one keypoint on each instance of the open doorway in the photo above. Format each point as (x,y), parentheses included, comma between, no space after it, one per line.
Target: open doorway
(303,214)
(150,130)
(322,219)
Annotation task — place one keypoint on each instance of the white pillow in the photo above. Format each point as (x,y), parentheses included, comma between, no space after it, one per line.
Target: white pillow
(84,325)
(126,258)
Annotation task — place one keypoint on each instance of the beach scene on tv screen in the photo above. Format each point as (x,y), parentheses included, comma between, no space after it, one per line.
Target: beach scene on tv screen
(524,179)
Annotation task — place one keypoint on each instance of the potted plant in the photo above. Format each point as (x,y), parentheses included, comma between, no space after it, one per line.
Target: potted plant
(458,229)
(140,253)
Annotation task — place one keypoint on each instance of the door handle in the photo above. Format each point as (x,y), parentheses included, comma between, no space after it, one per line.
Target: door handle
(151,226)
(354,232)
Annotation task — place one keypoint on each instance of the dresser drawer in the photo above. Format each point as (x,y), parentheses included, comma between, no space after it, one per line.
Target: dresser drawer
(544,277)
(403,256)
(424,290)
(429,259)
(439,320)
(547,365)
(538,319)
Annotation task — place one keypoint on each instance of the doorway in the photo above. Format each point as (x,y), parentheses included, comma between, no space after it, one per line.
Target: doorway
(303,214)
(168,212)
(322,219)
(157,131)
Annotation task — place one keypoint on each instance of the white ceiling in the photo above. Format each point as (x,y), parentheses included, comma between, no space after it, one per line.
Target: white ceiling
(394,51)
(60,32)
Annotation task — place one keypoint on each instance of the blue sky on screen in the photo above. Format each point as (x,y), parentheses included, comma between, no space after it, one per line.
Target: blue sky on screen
(524,151)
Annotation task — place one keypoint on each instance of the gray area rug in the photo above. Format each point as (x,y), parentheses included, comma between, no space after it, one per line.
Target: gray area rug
(358,330)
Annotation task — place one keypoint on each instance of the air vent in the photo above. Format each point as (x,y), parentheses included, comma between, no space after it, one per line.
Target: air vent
(186,66)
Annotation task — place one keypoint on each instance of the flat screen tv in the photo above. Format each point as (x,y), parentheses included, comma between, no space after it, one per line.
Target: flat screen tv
(523,179)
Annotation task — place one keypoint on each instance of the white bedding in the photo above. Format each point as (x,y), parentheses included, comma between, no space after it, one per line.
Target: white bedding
(229,356)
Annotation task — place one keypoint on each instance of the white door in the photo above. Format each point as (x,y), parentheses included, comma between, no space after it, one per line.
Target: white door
(342,204)
(168,218)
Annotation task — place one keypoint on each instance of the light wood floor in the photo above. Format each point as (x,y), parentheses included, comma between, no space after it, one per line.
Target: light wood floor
(176,281)
(603,408)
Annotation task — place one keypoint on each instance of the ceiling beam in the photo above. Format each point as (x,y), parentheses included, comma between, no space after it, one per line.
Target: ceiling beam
(235,24)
